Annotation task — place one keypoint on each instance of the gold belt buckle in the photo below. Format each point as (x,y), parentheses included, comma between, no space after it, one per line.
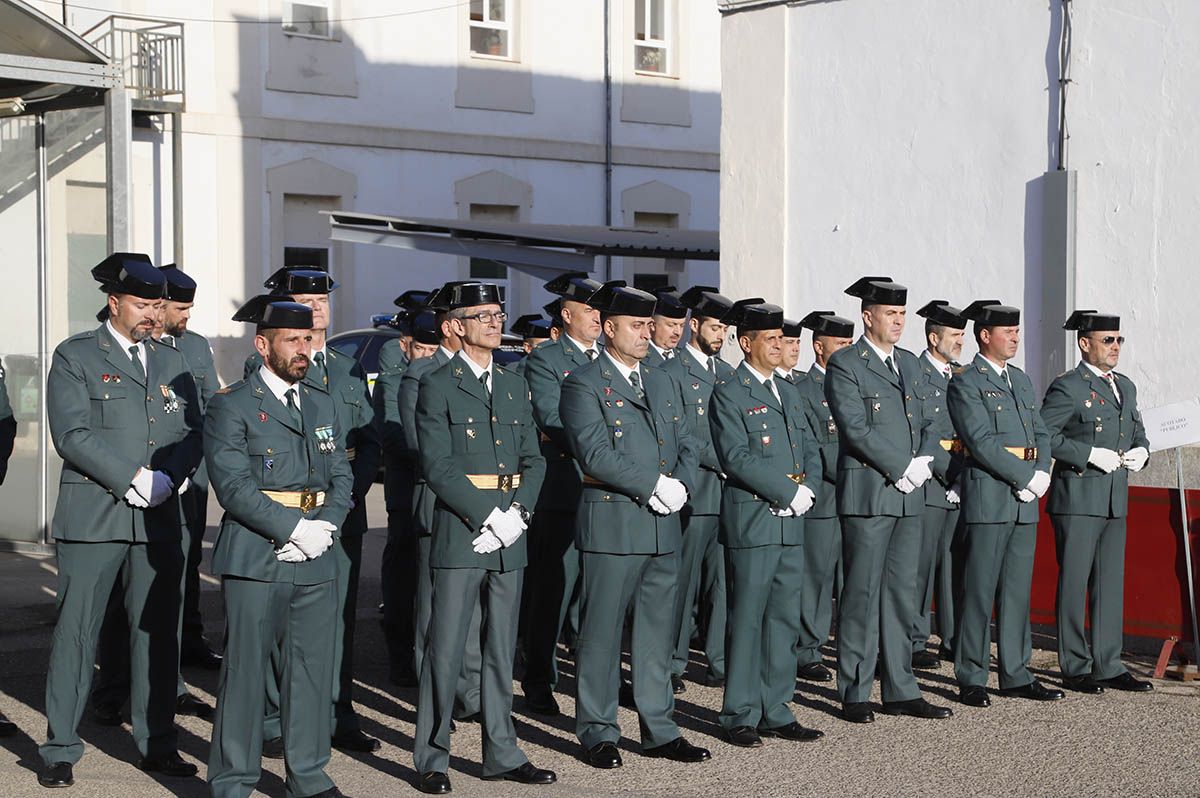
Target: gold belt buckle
(798,478)
(506,481)
(308,501)
(1030,454)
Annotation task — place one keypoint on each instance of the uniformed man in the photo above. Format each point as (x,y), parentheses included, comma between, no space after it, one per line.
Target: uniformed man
(552,310)
(124,417)
(944,325)
(700,591)
(478,547)
(534,330)
(666,329)
(467,700)
(345,382)
(1097,437)
(278,468)
(634,443)
(397,566)
(8,436)
(767,451)
(995,413)
(880,472)
(790,347)
(822,529)
(553,558)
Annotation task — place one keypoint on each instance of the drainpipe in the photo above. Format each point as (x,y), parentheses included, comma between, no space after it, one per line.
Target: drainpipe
(608,143)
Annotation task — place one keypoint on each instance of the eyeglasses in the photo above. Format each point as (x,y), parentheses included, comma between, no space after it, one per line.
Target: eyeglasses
(487,317)
(1109,340)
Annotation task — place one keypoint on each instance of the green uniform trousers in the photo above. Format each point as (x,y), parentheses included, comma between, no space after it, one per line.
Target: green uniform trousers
(1091,577)
(877,605)
(612,583)
(262,618)
(466,700)
(458,593)
(822,551)
(764,623)
(997,569)
(551,579)
(935,577)
(398,579)
(701,586)
(149,575)
(195,508)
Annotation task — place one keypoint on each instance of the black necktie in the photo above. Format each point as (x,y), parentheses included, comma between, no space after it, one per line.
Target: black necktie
(770,383)
(137,363)
(636,382)
(712,366)
(319,361)
(483,380)
(293,406)
(1112,386)
(590,353)
(891,364)
(1007,380)
(669,354)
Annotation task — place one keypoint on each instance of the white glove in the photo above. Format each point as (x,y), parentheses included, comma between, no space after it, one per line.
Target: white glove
(672,492)
(954,494)
(782,512)
(313,537)
(904,485)
(1024,495)
(1039,484)
(505,525)
(802,502)
(134,499)
(1106,460)
(1135,459)
(143,483)
(161,488)
(918,471)
(290,553)
(187,483)
(657,506)
(486,543)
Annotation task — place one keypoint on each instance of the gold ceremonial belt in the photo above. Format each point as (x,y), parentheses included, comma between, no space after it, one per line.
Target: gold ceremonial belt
(302,500)
(797,478)
(495,481)
(593,481)
(351,453)
(953,445)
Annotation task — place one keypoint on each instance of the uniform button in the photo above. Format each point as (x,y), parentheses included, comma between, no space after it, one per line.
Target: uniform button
(793,446)
(660,441)
(270,451)
(606,497)
(151,419)
(150,442)
(312,470)
(662,463)
(498,443)
(147,398)
(493,418)
(106,396)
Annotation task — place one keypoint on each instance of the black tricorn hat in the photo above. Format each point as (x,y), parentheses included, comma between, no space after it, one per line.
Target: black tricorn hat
(439,298)
(180,287)
(469,294)
(270,310)
(576,286)
(990,313)
(102,314)
(300,280)
(532,325)
(425,328)
(402,321)
(554,311)
(824,322)
(130,273)
(669,304)
(942,313)
(412,300)
(879,291)
(615,298)
(705,301)
(792,329)
(753,314)
(1091,320)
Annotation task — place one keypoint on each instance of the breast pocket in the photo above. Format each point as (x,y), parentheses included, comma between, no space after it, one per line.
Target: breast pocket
(878,409)
(470,433)
(269,461)
(106,402)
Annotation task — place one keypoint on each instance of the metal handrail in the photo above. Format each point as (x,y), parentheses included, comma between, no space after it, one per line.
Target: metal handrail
(149,53)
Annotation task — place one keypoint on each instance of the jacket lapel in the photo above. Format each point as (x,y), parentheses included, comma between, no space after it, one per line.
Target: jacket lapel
(1099,386)
(759,390)
(619,385)
(992,375)
(274,408)
(695,369)
(875,364)
(117,357)
(467,380)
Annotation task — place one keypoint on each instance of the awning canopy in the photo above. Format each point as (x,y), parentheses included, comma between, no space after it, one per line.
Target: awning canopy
(542,250)
(43,62)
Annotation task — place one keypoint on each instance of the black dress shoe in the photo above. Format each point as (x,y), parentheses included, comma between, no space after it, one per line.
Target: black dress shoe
(7,727)
(1083,684)
(925,660)
(273,748)
(1034,691)
(743,737)
(57,774)
(677,685)
(916,708)
(814,672)
(711,680)
(200,657)
(604,756)
(355,742)
(858,712)
(974,696)
(540,701)
(106,716)
(402,676)
(678,750)
(168,765)
(525,774)
(188,704)
(434,783)
(792,731)
(1127,682)
(946,654)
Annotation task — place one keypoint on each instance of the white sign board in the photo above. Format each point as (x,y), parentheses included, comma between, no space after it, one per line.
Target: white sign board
(1173,425)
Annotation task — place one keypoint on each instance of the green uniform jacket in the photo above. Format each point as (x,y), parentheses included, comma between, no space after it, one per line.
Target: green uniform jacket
(410,387)
(545,369)
(1080,412)
(759,444)
(931,389)
(624,444)
(696,385)
(879,430)
(252,444)
(105,424)
(385,400)
(198,353)
(988,418)
(820,419)
(8,428)
(462,430)
(653,358)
